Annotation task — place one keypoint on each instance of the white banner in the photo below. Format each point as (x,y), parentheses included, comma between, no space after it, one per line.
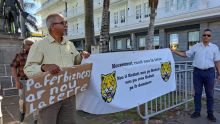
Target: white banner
(123,80)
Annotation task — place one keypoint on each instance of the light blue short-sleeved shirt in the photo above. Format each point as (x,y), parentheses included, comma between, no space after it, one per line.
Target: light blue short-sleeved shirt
(204,56)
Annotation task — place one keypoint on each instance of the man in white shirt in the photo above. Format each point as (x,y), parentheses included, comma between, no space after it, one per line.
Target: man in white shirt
(206,57)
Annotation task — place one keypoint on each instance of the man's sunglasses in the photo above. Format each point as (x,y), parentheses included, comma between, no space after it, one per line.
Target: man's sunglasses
(208,35)
(62,23)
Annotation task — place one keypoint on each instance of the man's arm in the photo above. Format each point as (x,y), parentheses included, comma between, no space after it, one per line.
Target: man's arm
(79,57)
(179,53)
(15,76)
(14,73)
(217,66)
(34,61)
(34,64)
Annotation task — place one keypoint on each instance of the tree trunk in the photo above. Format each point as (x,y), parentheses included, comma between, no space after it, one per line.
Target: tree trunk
(104,34)
(89,25)
(150,35)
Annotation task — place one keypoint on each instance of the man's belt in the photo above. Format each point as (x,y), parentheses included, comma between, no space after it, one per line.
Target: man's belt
(23,78)
(208,69)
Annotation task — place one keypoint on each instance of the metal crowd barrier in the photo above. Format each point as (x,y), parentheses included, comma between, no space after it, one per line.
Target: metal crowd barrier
(217,86)
(7,83)
(182,95)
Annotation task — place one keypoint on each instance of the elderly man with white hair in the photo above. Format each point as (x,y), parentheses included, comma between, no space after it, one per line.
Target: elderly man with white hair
(17,70)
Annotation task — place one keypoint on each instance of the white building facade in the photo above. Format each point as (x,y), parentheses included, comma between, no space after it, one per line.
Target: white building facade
(178,22)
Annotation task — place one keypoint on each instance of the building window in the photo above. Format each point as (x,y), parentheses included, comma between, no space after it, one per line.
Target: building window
(174,41)
(146,10)
(73,10)
(76,8)
(193,4)
(141,43)
(98,23)
(169,5)
(122,16)
(181,4)
(128,43)
(193,38)
(138,11)
(77,28)
(73,28)
(99,2)
(156,42)
(119,44)
(115,17)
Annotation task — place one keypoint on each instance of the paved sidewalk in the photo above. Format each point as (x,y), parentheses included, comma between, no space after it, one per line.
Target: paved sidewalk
(10,115)
(184,117)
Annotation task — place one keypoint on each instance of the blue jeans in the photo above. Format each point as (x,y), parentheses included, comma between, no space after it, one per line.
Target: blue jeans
(204,78)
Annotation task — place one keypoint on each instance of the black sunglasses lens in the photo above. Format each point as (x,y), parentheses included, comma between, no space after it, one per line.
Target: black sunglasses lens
(206,35)
(62,23)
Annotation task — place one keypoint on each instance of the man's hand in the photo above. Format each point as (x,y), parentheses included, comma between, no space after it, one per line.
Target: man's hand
(218,78)
(52,68)
(85,54)
(19,85)
(173,50)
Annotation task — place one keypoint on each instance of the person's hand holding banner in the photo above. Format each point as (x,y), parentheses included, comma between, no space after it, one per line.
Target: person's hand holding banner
(85,54)
(51,87)
(52,68)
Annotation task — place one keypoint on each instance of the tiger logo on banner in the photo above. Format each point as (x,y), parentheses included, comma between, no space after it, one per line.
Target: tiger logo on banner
(165,70)
(108,86)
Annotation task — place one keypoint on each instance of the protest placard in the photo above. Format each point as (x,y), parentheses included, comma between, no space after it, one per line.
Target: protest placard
(46,89)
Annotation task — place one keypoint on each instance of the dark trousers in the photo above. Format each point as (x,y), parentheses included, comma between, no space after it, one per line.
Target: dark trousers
(62,112)
(204,78)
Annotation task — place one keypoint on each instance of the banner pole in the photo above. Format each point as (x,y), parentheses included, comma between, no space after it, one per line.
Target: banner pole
(146,113)
(1,116)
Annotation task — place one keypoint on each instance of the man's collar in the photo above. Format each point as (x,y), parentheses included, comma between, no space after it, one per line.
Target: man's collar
(204,45)
(52,40)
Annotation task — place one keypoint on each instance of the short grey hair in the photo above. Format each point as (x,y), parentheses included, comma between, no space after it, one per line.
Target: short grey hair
(28,39)
(50,19)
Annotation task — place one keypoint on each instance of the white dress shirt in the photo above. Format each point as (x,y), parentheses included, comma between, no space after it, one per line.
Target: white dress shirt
(204,56)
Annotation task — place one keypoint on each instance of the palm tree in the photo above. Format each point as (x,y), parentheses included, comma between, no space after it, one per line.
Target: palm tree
(150,36)
(89,25)
(104,34)
(27,20)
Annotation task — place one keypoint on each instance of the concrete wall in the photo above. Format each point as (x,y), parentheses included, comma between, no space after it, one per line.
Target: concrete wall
(215,27)
(9,46)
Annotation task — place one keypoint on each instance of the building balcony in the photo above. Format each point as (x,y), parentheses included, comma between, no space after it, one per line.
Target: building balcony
(72,13)
(165,15)
(132,23)
(46,5)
